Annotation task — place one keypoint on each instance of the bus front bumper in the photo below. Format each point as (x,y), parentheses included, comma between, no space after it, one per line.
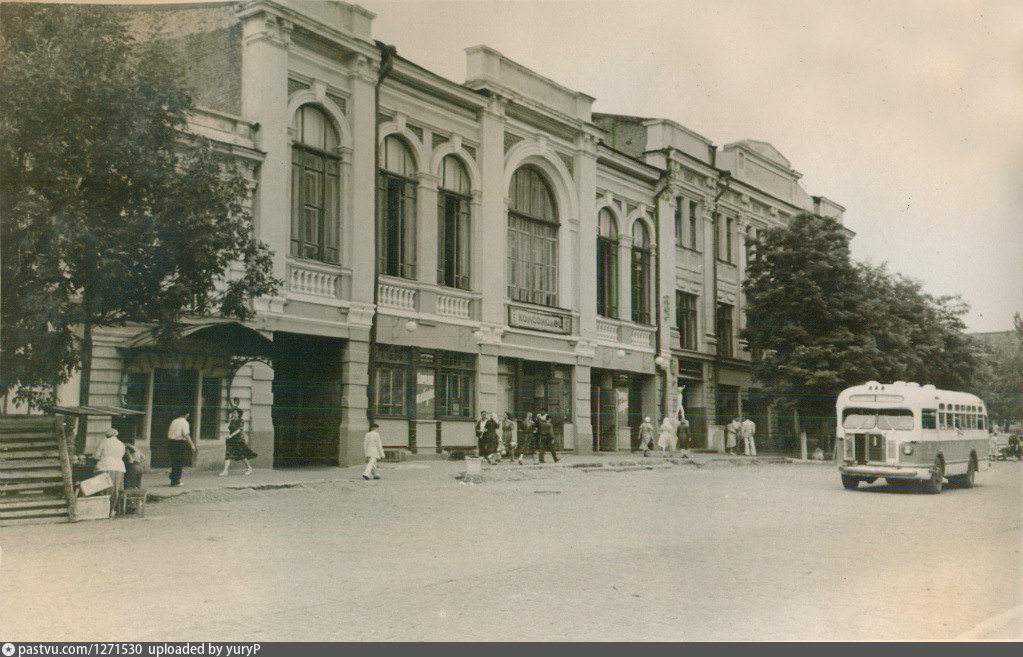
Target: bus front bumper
(887,471)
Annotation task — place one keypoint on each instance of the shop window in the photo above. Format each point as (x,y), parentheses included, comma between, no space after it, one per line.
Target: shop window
(607,264)
(390,391)
(453,240)
(396,223)
(315,187)
(532,239)
(685,319)
(724,330)
(640,273)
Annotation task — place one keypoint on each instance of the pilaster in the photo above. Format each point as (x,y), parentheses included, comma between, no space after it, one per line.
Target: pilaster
(360,250)
(426,239)
(490,231)
(354,379)
(264,100)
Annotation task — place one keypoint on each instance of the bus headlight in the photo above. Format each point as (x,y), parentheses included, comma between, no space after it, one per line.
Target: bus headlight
(907,449)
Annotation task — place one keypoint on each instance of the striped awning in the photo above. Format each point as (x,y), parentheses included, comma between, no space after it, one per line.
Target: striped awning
(102,411)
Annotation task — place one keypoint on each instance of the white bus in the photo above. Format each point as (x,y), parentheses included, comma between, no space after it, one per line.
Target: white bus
(908,432)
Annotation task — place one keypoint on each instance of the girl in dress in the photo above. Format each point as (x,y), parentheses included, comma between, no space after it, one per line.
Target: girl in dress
(237,448)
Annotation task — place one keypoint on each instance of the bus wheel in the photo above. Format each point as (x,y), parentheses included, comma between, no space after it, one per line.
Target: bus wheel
(850,483)
(933,485)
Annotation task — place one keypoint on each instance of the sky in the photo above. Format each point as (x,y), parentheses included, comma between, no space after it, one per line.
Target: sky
(908,113)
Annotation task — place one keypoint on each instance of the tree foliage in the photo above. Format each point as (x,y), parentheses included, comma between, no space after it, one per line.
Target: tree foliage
(112,212)
(999,380)
(818,322)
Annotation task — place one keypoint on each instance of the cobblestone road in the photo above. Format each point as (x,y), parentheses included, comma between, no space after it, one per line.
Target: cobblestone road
(773,551)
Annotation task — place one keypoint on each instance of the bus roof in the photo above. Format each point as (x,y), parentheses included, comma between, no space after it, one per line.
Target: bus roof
(901,392)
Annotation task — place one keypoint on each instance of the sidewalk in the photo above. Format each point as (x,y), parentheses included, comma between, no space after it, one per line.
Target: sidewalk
(158,486)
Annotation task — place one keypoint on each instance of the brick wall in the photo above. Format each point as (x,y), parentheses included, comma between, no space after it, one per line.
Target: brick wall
(208,40)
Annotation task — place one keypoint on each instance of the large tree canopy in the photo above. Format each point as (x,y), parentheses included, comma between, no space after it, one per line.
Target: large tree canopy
(818,323)
(112,212)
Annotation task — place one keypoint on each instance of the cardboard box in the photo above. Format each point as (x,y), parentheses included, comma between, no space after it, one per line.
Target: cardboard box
(95,484)
(92,508)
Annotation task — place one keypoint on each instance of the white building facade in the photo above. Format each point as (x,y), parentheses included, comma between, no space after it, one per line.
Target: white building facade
(518,252)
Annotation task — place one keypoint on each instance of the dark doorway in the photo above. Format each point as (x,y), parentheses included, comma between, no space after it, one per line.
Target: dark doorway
(307,400)
(602,412)
(635,411)
(174,393)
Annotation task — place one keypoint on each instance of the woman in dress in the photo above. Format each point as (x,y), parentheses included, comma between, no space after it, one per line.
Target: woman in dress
(237,448)
(667,436)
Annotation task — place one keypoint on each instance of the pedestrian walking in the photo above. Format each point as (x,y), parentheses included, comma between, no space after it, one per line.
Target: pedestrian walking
(488,441)
(646,436)
(237,447)
(731,435)
(509,435)
(374,450)
(110,459)
(179,446)
(494,440)
(526,436)
(667,436)
(747,429)
(684,441)
(545,433)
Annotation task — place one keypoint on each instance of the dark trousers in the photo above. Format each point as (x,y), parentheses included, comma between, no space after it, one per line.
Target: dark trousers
(179,453)
(547,445)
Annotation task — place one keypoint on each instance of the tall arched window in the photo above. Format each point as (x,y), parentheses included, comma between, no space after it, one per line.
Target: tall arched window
(453,224)
(315,187)
(607,264)
(396,224)
(640,273)
(532,239)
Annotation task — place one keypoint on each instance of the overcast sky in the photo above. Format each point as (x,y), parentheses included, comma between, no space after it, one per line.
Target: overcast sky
(908,113)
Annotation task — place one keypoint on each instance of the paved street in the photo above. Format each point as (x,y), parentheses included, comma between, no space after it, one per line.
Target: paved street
(681,552)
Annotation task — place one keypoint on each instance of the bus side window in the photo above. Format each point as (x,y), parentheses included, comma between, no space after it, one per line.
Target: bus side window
(928,419)
(981,421)
(941,421)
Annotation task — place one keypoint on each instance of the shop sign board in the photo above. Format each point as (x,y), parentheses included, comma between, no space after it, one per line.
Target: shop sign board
(539,320)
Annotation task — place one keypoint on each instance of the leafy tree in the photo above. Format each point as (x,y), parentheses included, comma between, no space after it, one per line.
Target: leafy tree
(805,322)
(921,336)
(818,323)
(112,212)
(999,381)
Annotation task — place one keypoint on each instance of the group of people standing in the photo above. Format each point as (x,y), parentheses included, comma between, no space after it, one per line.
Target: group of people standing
(515,439)
(672,431)
(744,429)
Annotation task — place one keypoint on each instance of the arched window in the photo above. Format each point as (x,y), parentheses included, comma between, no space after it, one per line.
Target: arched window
(532,239)
(396,223)
(607,264)
(640,273)
(453,224)
(315,187)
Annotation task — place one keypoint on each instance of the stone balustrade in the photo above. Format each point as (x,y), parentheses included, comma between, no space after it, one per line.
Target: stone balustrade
(452,306)
(607,331)
(400,297)
(314,280)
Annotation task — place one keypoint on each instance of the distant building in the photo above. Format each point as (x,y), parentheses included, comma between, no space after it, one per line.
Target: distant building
(534,255)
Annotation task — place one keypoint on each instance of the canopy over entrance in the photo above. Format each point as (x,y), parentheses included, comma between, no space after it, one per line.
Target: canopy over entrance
(227,338)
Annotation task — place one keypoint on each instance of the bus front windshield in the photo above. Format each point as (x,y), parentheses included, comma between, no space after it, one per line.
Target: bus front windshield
(900,419)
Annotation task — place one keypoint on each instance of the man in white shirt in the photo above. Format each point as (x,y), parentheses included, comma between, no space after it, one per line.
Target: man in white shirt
(179,446)
(746,430)
(374,449)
